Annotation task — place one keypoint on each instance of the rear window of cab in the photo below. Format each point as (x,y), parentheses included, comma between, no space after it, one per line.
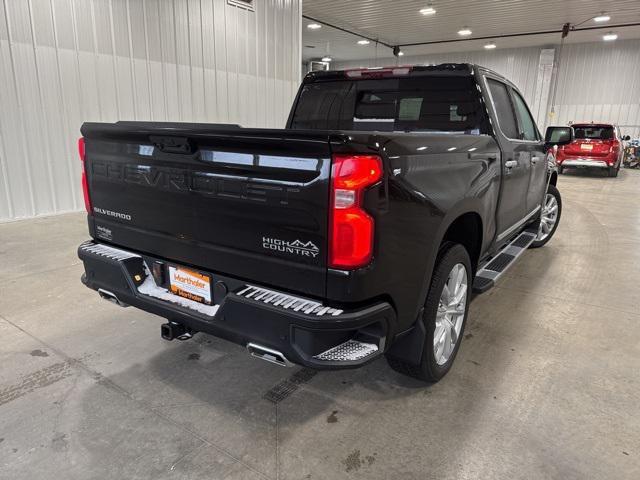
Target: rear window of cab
(411,104)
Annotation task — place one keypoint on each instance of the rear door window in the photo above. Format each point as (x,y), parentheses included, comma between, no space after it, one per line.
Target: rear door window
(504,108)
(528,127)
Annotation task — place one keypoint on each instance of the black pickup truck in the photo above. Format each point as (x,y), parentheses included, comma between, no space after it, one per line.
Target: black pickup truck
(361,229)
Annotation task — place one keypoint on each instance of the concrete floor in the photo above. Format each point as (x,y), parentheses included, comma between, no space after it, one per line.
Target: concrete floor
(546,385)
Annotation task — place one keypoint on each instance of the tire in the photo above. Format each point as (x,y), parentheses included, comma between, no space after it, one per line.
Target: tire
(560,170)
(613,171)
(431,368)
(539,242)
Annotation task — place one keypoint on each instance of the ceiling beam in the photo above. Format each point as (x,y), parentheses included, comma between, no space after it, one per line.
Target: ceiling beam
(523,34)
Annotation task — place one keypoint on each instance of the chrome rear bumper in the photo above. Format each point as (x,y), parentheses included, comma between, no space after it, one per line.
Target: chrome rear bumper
(275,326)
(580,162)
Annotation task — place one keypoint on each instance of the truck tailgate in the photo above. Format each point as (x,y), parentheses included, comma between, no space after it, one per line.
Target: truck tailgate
(250,203)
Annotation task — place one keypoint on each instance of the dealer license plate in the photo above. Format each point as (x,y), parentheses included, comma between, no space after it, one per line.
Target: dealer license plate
(190,285)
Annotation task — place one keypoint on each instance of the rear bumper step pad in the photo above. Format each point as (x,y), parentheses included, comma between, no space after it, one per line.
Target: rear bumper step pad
(350,350)
(286,301)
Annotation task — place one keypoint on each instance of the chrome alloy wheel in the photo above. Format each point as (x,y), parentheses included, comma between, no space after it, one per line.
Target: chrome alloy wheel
(450,315)
(549,217)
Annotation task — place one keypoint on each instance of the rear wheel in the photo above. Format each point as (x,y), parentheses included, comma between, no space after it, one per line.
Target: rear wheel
(445,314)
(613,171)
(560,170)
(550,218)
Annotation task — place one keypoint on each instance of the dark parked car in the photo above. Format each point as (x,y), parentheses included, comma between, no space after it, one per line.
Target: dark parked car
(359,230)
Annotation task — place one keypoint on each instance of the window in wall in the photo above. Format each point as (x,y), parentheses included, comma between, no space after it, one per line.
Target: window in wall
(410,108)
(504,109)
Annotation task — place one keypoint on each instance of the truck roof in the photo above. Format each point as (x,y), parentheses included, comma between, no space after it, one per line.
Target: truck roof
(400,70)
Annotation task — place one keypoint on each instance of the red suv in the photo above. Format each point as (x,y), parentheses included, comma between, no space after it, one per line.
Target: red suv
(595,145)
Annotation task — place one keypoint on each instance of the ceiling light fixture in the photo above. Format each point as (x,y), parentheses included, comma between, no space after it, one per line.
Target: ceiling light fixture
(609,37)
(490,46)
(400,53)
(465,32)
(428,11)
(314,26)
(326,59)
(602,18)
(363,42)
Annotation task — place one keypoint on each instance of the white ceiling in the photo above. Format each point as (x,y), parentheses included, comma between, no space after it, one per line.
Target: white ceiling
(399,22)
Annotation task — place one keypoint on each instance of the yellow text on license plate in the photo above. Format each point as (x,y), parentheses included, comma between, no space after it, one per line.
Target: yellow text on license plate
(189,284)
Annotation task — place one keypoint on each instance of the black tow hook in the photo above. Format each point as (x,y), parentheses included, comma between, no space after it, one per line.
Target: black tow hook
(172,330)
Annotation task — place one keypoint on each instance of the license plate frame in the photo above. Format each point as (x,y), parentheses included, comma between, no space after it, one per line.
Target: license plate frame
(190,284)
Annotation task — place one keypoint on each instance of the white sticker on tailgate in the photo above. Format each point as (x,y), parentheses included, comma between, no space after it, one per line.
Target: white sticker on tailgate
(190,284)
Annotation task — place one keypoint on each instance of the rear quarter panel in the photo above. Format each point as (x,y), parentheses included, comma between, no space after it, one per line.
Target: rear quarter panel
(430,181)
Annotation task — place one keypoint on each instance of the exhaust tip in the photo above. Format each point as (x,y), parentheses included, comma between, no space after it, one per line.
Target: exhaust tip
(111,297)
(268,355)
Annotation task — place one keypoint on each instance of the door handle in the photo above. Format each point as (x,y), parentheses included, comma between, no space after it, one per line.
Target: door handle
(509,164)
(535,160)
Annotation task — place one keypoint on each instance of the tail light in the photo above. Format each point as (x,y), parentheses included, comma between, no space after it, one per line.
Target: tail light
(351,228)
(85,185)
(615,146)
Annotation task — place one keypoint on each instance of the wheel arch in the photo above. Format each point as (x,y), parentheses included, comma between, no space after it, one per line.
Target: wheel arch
(466,229)
(463,226)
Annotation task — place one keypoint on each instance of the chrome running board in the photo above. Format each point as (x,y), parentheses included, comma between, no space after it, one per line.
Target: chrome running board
(495,268)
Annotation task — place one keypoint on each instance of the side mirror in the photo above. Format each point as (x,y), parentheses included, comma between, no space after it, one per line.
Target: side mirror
(558,136)
(626,138)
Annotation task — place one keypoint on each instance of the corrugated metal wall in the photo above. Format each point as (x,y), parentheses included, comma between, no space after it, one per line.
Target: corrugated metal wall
(601,82)
(63,62)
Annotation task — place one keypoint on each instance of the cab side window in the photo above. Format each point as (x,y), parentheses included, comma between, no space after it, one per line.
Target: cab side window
(504,109)
(527,124)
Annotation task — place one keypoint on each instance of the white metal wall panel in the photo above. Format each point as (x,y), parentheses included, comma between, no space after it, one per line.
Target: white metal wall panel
(63,62)
(600,82)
